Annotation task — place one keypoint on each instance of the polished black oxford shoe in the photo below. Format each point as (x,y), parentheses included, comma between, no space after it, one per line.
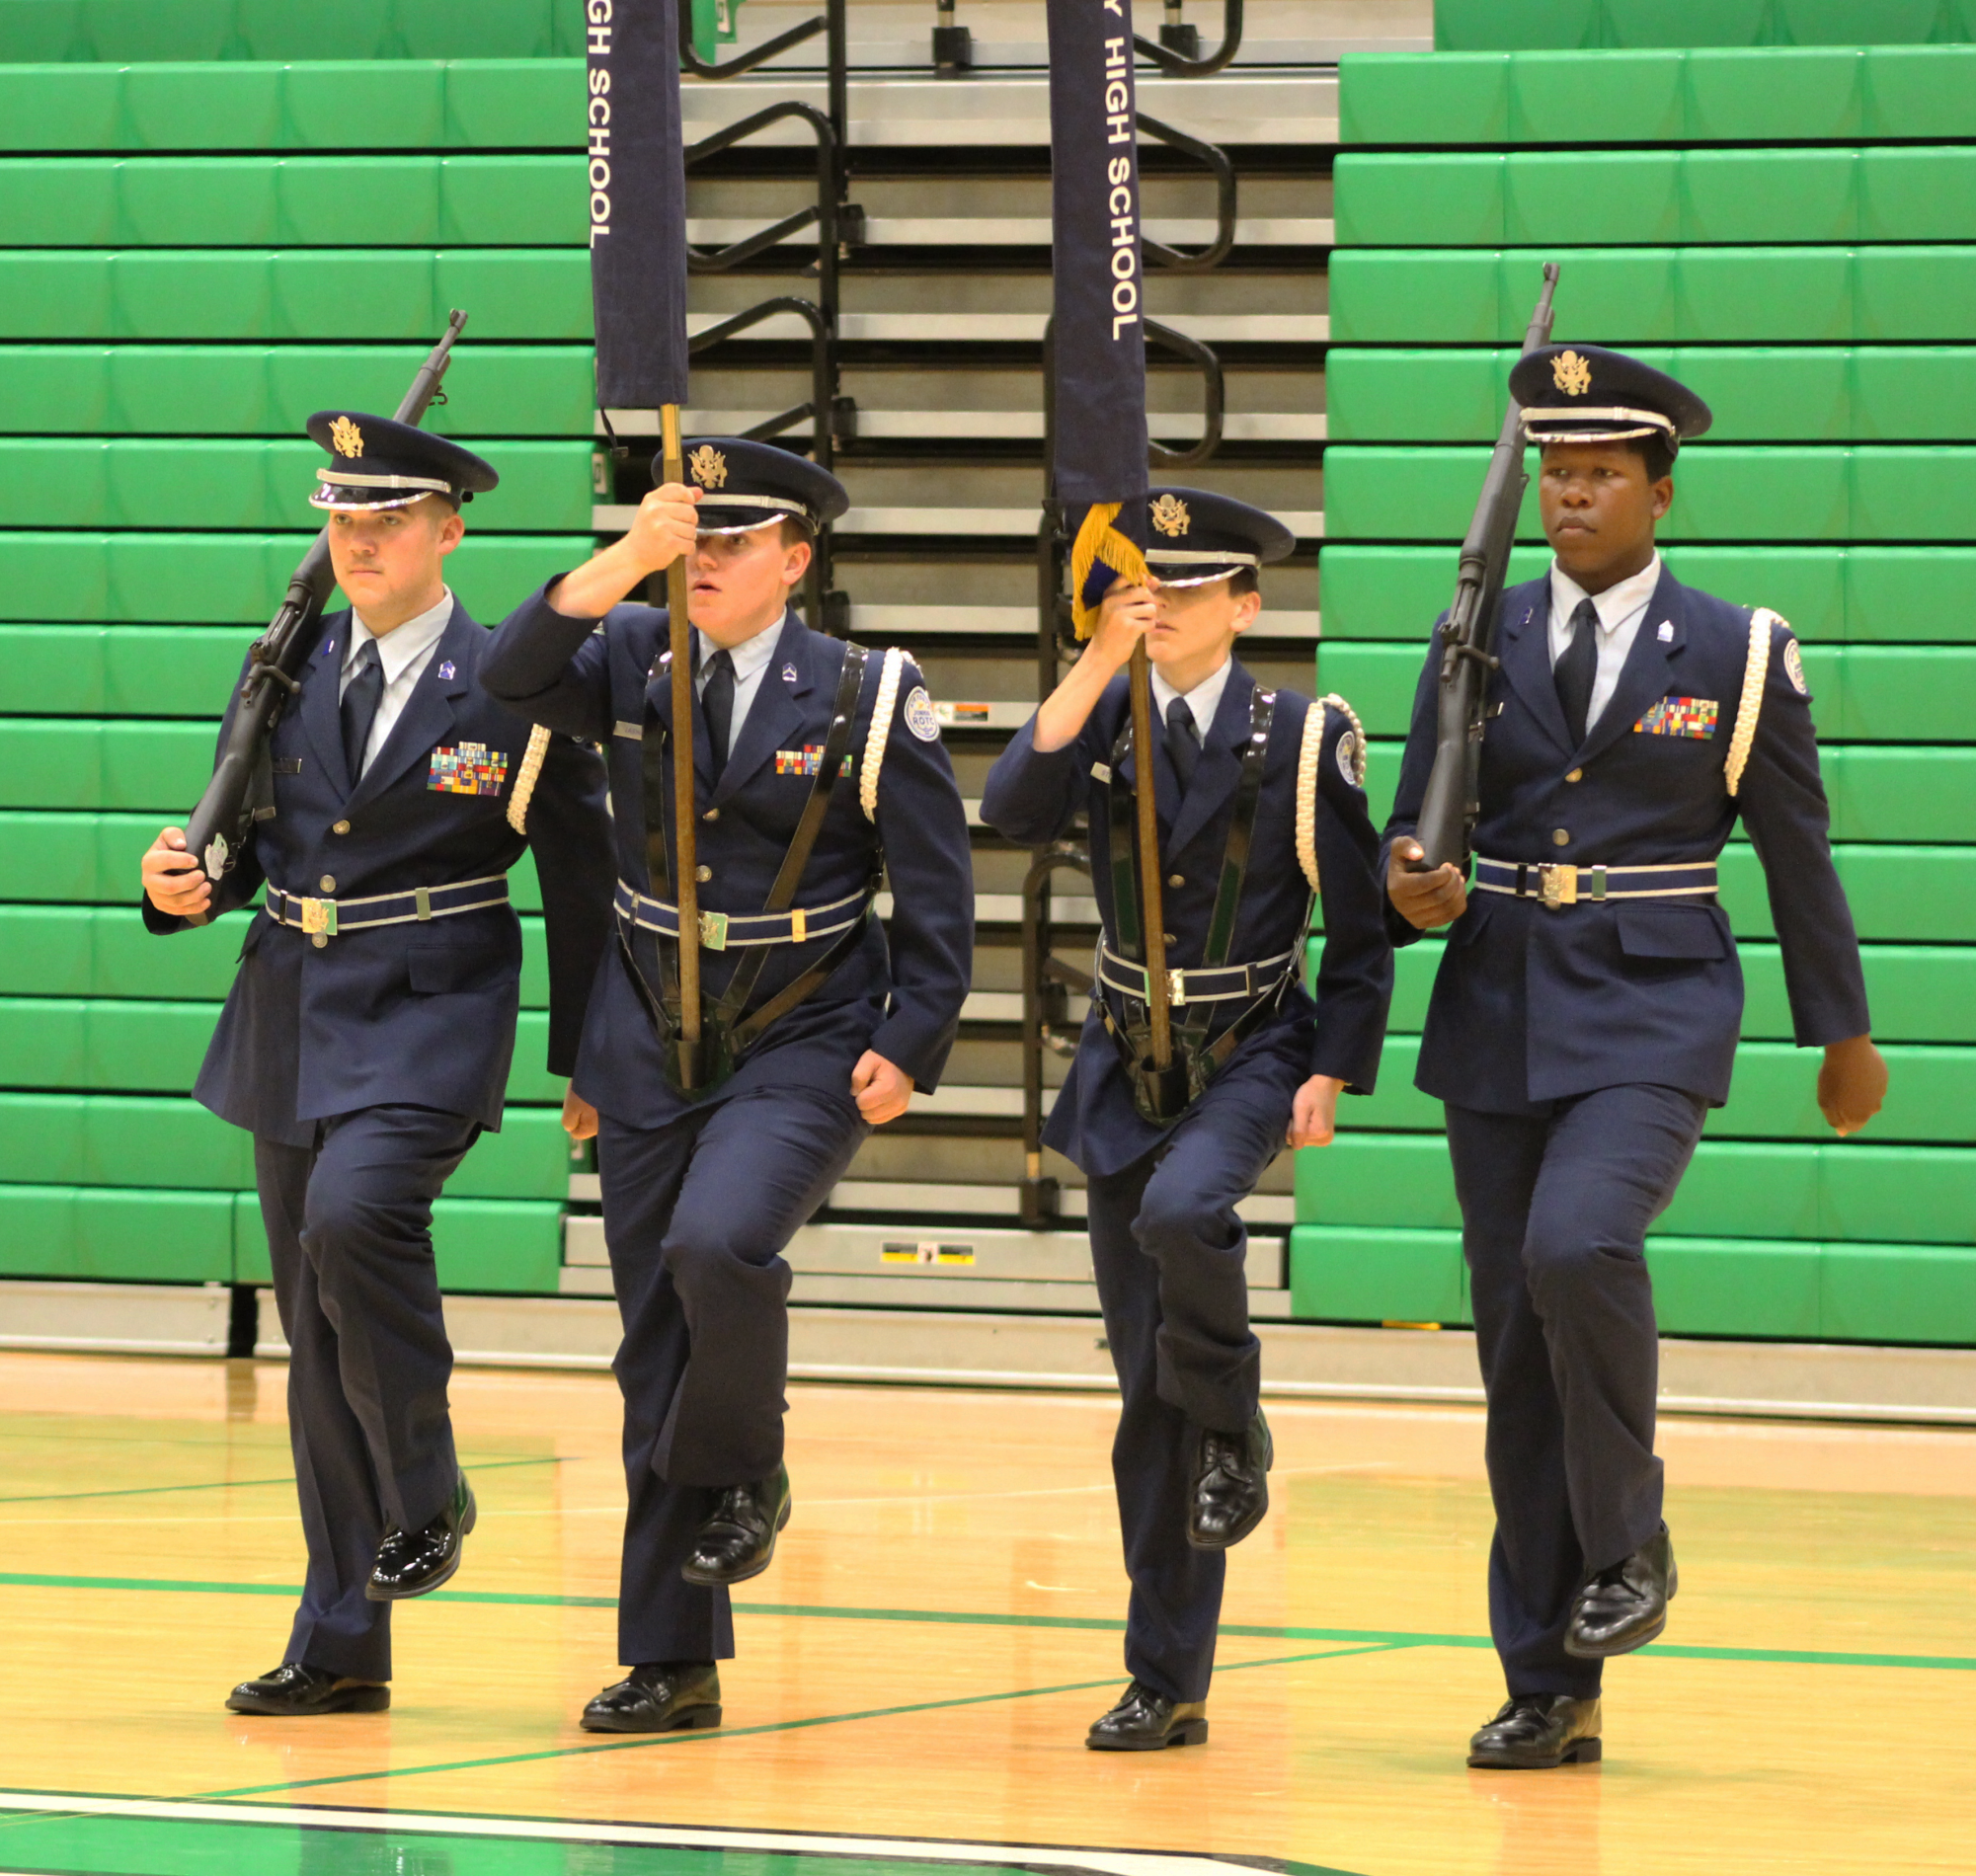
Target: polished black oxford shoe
(1228,1487)
(659,1697)
(1147,1722)
(1624,1608)
(294,1690)
(1536,1732)
(418,1562)
(738,1540)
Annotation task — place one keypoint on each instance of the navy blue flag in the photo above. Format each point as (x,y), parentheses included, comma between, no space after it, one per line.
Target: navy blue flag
(1099,390)
(638,202)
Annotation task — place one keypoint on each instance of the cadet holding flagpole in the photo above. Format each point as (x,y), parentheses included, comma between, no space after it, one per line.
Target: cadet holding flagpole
(1209,836)
(753,1020)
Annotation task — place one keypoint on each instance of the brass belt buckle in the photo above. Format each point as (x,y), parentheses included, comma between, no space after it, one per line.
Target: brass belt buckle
(1558,885)
(713,930)
(318,916)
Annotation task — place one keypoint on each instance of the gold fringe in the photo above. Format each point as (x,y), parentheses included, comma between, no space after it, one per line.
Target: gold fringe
(1098,540)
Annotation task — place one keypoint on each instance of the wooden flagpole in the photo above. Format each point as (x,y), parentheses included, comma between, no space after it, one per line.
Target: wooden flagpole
(1152,897)
(686,881)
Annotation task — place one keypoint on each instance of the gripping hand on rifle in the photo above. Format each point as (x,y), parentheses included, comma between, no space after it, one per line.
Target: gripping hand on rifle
(1426,900)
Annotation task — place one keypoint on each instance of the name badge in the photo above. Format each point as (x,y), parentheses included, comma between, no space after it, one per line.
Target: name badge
(472,768)
(1680,716)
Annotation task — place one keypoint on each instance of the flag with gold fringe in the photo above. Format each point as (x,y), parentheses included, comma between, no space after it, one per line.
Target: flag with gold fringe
(1099,472)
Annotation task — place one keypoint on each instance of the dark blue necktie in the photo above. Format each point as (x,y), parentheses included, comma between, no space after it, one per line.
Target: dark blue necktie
(360,698)
(1578,668)
(1183,740)
(717,703)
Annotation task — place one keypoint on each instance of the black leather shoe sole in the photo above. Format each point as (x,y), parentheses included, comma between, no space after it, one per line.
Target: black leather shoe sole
(1582,1649)
(1581,1752)
(1187,1733)
(694,1719)
(716,1579)
(348,1700)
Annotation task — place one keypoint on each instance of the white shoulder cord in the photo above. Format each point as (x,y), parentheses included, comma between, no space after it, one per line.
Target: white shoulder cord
(1756,668)
(880,733)
(526,777)
(1308,758)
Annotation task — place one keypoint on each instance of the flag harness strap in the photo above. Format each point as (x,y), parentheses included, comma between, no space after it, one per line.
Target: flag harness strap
(726,1033)
(1197,1061)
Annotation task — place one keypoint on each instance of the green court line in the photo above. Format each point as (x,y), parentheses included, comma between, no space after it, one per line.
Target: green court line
(228,1485)
(989,1618)
(649,1740)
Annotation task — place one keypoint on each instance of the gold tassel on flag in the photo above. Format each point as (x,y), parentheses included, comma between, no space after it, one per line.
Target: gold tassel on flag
(1098,540)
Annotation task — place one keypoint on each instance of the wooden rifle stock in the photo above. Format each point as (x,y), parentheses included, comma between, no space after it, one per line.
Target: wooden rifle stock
(1452,801)
(217,830)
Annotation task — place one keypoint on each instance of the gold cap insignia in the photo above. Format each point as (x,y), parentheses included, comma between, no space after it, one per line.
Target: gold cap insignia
(1170,515)
(346,438)
(709,467)
(1573,373)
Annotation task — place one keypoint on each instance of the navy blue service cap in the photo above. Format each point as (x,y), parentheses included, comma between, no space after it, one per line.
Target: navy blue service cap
(745,484)
(376,463)
(1193,536)
(1585,394)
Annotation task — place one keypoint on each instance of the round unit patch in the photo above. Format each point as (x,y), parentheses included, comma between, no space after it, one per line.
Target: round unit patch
(919,717)
(1793,667)
(1348,748)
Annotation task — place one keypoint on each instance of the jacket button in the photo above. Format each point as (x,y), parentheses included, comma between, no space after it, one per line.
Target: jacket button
(1166,937)
(703,873)
(1560,836)
(318,940)
(1177,879)
(1576,775)
(327,883)
(712,813)
(341,827)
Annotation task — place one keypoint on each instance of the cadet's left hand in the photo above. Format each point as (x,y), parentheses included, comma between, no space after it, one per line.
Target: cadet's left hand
(579,1116)
(1852,1085)
(1314,1115)
(882,1091)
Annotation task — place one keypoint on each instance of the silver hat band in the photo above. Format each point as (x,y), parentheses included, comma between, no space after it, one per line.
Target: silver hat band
(348,479)
(1198,557)
(782,504)
(1614,412)
(333,497)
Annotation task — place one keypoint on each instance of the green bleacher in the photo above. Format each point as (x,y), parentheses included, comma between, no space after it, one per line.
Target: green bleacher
(183,280)
(1821,293)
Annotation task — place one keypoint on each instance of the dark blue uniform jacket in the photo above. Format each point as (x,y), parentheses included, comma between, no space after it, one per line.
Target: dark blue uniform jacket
(1033,799)
(1532,1007)
(903,997)
(417,1015)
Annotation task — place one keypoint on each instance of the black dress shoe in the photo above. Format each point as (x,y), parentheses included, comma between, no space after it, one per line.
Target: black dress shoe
(1538,1731)
(738,1540)
(1624,1608)
(1229,1492)
(294,1690)
(416,1563)
(659,1697)
(1145,1722)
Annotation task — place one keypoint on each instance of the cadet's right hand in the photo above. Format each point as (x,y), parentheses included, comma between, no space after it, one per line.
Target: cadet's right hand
(1126,616)
(663,527)
(173,879)
(1424,899)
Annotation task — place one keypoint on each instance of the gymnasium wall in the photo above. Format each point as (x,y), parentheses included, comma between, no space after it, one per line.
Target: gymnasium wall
(218,216)
(1793,232)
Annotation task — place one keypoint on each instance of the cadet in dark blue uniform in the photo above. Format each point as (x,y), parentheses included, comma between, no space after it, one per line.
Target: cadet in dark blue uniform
(366,1040)
(1585,1015)
(1261,805)
(816,765)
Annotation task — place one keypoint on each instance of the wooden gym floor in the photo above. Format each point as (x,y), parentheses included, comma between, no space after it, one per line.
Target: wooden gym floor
(918,1670)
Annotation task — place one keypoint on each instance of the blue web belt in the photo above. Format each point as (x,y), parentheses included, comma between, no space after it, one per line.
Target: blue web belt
(1556,883)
